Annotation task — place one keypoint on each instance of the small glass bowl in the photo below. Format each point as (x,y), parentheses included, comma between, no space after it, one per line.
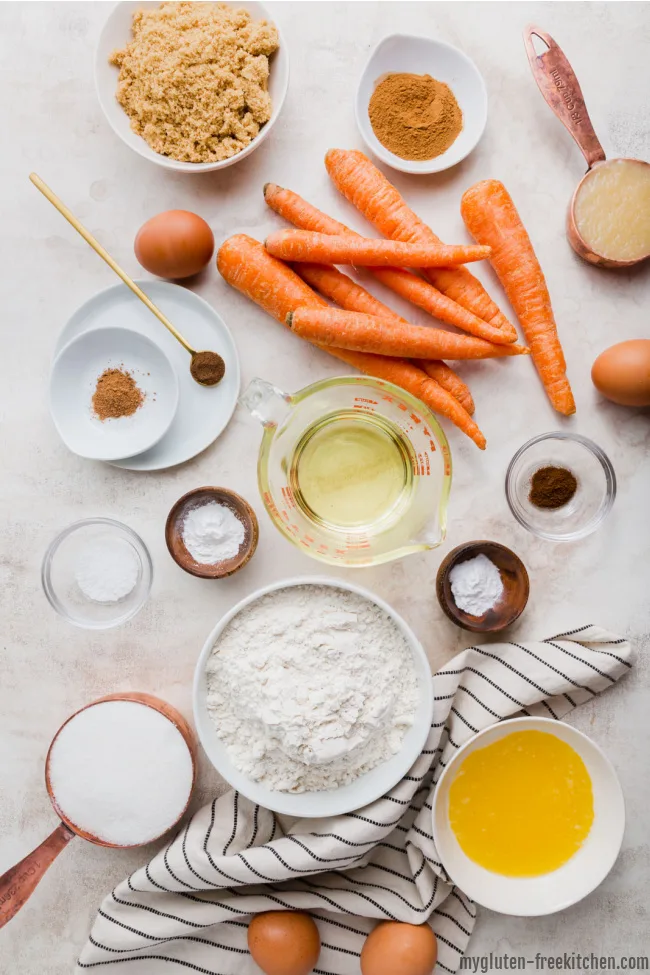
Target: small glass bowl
(594,495)
(58,573)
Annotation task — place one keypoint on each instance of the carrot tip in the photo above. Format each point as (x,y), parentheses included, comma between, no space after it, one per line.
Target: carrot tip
(289,319)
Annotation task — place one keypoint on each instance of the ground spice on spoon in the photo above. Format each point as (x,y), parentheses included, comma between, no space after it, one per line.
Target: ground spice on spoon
(414,116)
(117,394)
(552,487)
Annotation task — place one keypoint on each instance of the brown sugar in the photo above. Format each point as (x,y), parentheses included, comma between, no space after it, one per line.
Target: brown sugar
(414,116)
(116,394)
(194,79)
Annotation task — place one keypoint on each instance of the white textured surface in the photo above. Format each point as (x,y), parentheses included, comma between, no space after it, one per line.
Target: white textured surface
(52,123)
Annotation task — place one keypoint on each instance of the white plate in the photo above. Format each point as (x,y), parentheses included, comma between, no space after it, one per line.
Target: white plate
(550,892)
(367,787)
(423,55)
(73,381)
(202,412)
(116,33)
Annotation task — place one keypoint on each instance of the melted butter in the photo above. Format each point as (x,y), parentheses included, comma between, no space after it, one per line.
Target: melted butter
(523,805)
(612,210)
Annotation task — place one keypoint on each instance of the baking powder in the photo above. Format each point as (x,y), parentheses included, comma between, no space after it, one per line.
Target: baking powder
(476,585)
(107,570)
(310,687)
(121,771)
(212,532)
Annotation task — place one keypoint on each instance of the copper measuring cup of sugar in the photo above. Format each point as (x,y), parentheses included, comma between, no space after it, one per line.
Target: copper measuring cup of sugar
(20,881)
(558,84)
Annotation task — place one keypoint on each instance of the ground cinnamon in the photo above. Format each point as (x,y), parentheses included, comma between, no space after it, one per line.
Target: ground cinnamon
(414,116)
(552,487)
(116,394)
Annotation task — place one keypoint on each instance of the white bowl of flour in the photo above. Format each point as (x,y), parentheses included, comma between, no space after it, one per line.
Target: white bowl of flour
(312,697)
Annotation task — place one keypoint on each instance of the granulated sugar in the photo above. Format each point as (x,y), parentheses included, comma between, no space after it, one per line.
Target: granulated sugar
(121,771)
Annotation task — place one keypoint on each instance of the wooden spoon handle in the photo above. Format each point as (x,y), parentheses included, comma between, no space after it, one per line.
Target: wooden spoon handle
(558,84)
(20,881)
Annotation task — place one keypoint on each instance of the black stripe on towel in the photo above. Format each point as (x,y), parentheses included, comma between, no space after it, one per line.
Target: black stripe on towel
(496,686)
(345,951)
(174,961)
(580,660)
(560,673)
(234,824)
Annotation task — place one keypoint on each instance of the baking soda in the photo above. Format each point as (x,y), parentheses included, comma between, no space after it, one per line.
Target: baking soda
(212,533)
(108,570)
(121,771)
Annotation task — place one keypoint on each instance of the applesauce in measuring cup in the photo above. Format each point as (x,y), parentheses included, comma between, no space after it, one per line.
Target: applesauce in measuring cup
(353,470)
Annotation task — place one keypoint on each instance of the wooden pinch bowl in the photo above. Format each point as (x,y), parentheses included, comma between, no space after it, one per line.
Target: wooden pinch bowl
(561,90)
(516,587)
(20,881)
(194,499)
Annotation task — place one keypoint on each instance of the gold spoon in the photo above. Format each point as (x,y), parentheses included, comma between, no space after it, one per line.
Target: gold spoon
(207,368)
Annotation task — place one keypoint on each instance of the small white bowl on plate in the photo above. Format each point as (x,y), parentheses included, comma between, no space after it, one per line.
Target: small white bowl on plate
(423,55)
(346,798)
(116,33)
(73,381)
(570,883)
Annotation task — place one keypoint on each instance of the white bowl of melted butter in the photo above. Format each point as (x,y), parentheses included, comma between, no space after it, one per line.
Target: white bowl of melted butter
(528,817)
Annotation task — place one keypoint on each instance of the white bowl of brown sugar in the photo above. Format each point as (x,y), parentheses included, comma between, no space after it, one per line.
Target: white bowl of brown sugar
(113,394)
(421,105)
(159,74)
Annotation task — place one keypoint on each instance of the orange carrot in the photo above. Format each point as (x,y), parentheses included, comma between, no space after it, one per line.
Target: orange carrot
(346,293)
(445,376)
(303,245)
(491,217)
(416,382)
(367,333)
(245,264)
(414,289)
(359,180)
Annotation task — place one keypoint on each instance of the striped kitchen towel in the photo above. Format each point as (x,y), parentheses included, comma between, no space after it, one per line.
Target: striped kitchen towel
(188,908)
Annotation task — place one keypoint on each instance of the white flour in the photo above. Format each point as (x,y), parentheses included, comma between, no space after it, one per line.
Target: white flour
(212,532)
(310,687)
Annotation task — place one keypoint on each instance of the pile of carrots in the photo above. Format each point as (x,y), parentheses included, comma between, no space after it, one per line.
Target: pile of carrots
(293,272)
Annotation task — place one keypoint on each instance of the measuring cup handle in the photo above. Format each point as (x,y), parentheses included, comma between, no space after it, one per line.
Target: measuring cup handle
(20,881)
(558,84)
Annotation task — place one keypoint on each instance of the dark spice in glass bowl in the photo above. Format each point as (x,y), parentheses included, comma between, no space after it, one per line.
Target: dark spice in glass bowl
(552,487)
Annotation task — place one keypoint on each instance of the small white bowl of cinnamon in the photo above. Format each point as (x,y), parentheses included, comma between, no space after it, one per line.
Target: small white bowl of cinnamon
(421,105)
(113,394)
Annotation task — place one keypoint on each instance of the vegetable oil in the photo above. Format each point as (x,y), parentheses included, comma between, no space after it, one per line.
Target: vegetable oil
(353,472)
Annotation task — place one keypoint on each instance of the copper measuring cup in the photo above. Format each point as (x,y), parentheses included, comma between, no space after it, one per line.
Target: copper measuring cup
(20,881)
(558,84)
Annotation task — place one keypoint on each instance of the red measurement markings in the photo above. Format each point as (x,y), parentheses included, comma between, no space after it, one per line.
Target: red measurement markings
(287,494)
(416,419)
(447,459)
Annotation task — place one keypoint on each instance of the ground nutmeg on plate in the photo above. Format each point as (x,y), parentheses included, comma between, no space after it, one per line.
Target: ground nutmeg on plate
(117,394)
(414,116)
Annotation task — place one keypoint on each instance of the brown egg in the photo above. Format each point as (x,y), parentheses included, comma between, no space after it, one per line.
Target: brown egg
(622,373)
(174,244)
(284,942)
(392,948)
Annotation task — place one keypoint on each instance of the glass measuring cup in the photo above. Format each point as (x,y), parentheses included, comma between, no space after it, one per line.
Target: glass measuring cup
(559,86)
(352,470)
